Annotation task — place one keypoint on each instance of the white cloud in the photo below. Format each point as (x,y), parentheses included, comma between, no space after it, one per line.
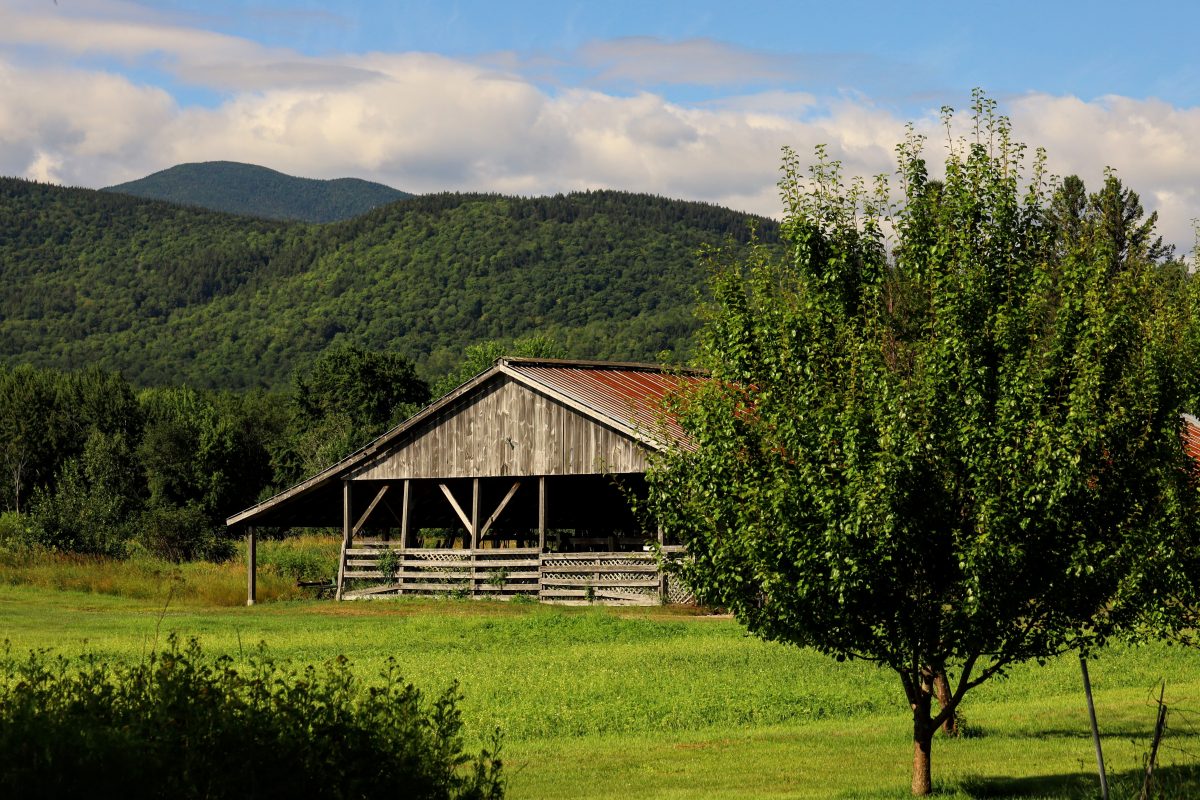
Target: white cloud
(1150,143)
(424,122)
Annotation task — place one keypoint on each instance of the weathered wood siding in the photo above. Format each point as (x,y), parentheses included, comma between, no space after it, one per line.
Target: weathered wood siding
(506,429)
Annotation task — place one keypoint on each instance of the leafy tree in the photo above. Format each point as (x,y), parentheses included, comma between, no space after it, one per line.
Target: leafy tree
(349,395)
(375,389)
(945,456)
(481,356)
(94,502)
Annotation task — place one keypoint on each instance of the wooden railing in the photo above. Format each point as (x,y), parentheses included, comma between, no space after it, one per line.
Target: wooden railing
(379,569)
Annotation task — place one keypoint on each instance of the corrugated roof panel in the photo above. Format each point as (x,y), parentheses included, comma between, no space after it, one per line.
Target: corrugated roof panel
(1190,434)
(630,395)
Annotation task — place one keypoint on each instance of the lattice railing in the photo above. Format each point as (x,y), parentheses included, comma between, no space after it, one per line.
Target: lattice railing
(572,578)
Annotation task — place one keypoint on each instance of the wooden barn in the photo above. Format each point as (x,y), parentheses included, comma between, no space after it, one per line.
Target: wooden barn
(518,483)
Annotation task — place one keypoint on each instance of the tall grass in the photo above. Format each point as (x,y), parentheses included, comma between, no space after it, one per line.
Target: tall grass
(143,576)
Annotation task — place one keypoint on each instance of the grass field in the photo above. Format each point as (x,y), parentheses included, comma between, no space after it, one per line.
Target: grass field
(606,703)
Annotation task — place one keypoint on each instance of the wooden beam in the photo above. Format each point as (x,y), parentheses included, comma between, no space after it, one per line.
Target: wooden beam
(358,526)
(541,513)
(346,531)
(462,515)
(251,558)
(499,509)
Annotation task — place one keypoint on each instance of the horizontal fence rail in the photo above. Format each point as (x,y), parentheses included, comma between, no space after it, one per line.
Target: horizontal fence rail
(380,569)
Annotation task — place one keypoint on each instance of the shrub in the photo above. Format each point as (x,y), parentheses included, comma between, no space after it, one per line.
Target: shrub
(182,533)
(181,725)
(300,558)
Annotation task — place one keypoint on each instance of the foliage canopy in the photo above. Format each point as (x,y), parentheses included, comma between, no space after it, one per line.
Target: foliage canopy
(947,453)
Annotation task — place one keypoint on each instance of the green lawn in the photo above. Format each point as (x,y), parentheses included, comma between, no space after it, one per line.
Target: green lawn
(604,703)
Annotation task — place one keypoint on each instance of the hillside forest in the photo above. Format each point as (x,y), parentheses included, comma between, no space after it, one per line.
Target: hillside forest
(163,365)
(171,295)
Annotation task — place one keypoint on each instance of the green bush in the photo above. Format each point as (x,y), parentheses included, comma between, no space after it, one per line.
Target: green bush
(301,558)
(181,725)
(182,533)
(16,530)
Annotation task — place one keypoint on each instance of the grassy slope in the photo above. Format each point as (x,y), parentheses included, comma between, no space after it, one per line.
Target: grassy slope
(656,703)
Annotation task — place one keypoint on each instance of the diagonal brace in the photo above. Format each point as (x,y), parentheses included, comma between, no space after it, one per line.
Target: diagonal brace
(499,509)
(462,515)
(363,519)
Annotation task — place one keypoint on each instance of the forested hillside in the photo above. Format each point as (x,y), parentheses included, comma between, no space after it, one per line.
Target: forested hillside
(260,192)
(172,295)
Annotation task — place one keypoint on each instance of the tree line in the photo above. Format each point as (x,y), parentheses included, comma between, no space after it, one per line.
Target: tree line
(93,465)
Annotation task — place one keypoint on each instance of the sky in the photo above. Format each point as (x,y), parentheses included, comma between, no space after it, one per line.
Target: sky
(684,99)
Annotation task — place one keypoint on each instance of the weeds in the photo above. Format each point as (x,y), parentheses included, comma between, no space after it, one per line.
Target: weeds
(180,724)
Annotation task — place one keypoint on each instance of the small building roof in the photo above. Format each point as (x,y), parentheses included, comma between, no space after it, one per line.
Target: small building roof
(624,398)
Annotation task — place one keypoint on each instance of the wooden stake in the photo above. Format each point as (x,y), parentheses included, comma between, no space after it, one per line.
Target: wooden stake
(1148,781)
(1087,690)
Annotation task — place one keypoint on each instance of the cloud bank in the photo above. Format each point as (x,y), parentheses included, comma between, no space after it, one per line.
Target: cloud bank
(72,111)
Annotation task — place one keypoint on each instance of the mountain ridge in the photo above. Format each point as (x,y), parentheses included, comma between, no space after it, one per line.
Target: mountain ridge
(170,294)
(252,190)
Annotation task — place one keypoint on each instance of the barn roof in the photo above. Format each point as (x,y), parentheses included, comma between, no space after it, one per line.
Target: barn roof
(1191,437)
(626,397)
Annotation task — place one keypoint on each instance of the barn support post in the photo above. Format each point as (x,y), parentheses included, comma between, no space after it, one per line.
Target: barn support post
(251,559)
(663,595)
(404,517)
(475,514)
(346,533)
(541,513)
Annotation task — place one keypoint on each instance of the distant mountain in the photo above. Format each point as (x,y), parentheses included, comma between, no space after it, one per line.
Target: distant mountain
(170,294)
(254,191)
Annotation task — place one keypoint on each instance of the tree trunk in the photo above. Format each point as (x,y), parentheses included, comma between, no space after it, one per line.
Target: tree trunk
(942,687)
(922,777)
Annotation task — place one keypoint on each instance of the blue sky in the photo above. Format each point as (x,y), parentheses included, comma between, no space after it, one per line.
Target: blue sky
(683,99)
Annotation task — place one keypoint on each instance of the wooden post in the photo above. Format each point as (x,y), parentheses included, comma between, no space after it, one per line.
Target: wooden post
(541,535)
(346,532)
(404,518)
(251,559)
(475,514)
(475,537)
(663,595)
(541,513)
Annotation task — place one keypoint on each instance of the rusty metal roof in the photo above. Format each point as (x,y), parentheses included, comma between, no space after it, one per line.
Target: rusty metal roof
(1190,433)
(630,395)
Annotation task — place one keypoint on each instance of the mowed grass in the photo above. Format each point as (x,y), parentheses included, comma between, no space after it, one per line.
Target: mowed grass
(608,703)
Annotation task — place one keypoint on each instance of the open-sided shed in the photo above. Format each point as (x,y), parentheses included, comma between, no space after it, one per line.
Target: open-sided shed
(519,482)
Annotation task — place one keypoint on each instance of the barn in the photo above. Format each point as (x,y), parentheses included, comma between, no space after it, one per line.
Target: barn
(521,482)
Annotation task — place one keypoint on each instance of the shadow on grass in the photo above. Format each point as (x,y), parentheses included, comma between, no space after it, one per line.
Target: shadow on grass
(1171,782)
